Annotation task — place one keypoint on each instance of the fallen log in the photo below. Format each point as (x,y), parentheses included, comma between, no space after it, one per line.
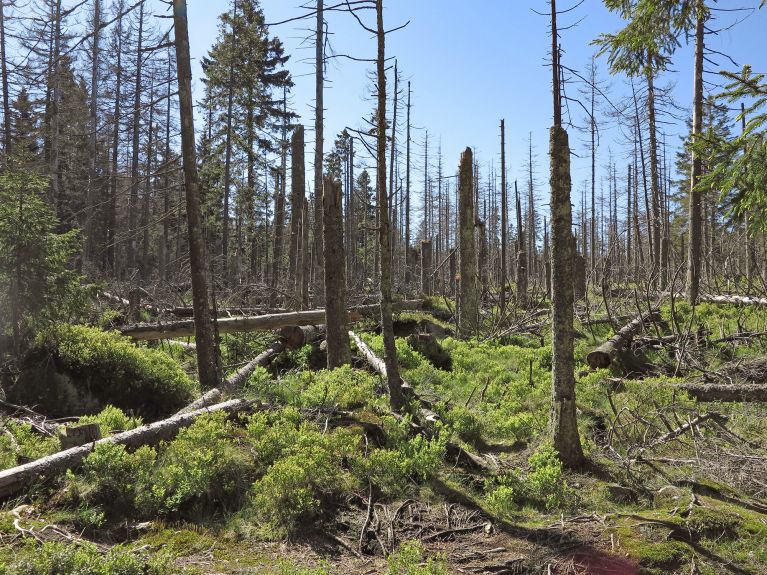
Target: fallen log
(426,414)
(603,355)
(15,479)
(734,300)
(291,337)
(242,324)
(222,312)
(741,392)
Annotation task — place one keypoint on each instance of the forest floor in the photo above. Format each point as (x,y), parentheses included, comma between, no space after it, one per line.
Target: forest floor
(323,480)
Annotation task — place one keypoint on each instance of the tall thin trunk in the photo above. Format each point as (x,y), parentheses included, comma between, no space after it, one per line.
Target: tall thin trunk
(694,253)
(297,193)
(112,211)
(408,262)
(207,353)
(134,172)
(657,271)
(55,80)
(521,271)
(92,219)
(228,157)
(564,425)
(318,287)
(504,219)
(6,95)
(396,397)
(279,208)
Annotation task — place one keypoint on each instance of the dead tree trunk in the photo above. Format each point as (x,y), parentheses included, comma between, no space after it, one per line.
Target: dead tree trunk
(564,424)
(521,272)
(468,300)
(602,356)
(745,392)
(339,352)
(694,255)
(15,479)
(504,221)
(207,356)
(318,287)
(384,234)
(297,193)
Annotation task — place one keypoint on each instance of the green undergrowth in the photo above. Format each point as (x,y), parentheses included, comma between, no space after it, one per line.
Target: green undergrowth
(290,468)
(75,370)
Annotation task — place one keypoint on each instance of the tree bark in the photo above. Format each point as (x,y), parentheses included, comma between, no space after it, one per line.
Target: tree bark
(396,397)
(602,356)
(297,193)
(468,300)
(746,392)
(338,349)
(504,221)
(135,146)
(564,424)
(207,353)
(694,255)
(318,287)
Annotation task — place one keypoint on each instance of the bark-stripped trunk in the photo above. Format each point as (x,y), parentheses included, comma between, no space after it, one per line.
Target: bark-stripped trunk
(6,95)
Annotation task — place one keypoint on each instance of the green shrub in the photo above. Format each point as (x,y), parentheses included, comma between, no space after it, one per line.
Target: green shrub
(402,461)
(409,560)
(78,369)
(543,486)
(27,444)
(344,387)
(111,479)
(545,482)
(203,469)
(67,559)
(112,419)
(305,470)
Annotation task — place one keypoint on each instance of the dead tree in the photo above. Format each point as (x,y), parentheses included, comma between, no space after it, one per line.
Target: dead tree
(297,193)
(338,349)
(207,353)
(564,424)
(468,298)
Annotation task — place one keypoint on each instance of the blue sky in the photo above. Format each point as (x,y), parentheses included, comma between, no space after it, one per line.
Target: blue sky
(473,63)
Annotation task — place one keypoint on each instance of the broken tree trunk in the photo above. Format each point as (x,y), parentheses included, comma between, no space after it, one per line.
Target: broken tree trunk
(602,356)
(15,479)
(257,323)
(745,392)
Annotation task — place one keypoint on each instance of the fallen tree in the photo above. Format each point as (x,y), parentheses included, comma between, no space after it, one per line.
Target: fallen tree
(426,414)
(15,479)
(603,355)
(734,300)
(291,337)
(741,392)
(184,328)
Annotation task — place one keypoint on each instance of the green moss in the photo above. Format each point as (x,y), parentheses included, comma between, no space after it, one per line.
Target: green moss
(78,369)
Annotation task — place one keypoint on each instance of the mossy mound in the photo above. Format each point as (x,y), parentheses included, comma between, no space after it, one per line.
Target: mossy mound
(78,370)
